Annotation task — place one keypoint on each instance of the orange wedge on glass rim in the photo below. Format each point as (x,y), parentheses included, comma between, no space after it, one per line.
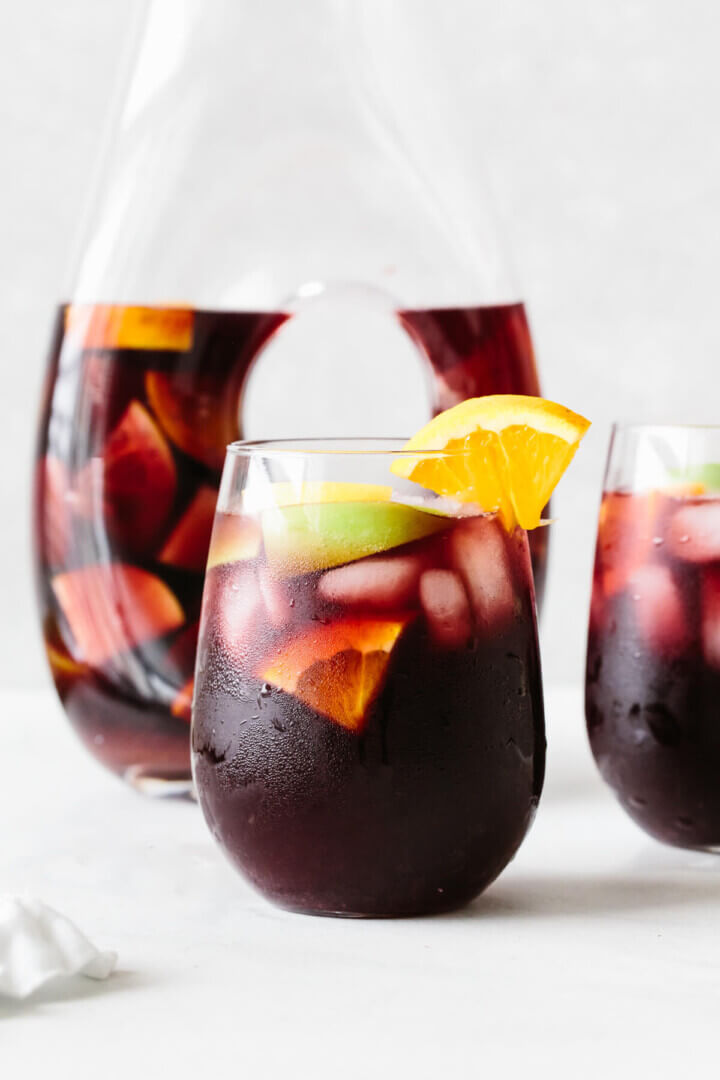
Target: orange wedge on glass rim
(504,452)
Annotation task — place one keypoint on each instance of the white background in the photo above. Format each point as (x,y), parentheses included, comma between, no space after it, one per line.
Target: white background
(601,126)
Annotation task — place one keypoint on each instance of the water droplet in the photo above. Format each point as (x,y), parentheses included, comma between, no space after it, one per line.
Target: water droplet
(658,540)
(292,601)
(683,539)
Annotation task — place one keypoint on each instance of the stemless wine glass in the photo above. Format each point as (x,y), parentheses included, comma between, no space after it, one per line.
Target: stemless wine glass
(653,662)
(368,732)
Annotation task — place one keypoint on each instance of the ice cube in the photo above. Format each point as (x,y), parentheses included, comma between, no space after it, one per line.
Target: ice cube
(234,599)
(659,610)
(383,583)
(693,533)
(479,552)
(711,617)
(446,608)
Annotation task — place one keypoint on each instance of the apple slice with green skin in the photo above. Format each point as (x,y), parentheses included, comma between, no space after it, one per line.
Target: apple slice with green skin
(336,668)
(114,607)
(318,536)
(188,543)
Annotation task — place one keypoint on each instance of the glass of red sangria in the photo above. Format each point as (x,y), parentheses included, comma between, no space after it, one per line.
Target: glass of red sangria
(368,733)
(653,660)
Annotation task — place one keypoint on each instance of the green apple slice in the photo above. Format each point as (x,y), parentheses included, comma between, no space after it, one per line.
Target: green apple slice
(317,536)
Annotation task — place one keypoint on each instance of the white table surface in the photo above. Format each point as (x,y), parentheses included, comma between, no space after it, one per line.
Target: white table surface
(596,954)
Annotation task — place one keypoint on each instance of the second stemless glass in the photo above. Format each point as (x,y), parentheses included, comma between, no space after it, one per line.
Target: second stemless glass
(368,734)
(653,663)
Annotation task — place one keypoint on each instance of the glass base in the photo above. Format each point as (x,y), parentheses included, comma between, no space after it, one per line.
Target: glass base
(159,787)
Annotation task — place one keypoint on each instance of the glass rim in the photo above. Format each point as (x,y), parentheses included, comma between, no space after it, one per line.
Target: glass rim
(342,445)
(648,426)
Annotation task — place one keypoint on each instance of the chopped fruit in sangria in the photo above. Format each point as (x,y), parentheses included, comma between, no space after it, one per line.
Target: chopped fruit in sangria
(134,481)
(188,543)
(653,662)
(506,453)
(367,719)
(317,536)
(112,608)
(337,668)
(193,413)
(112,326)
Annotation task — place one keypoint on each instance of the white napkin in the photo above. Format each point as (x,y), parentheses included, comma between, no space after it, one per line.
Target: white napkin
(38,944)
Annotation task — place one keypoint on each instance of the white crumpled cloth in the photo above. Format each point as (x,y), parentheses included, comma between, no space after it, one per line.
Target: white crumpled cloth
(38,944)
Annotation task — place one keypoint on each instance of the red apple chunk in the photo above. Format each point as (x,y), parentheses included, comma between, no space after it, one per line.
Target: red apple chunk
(133,482)
(188,543)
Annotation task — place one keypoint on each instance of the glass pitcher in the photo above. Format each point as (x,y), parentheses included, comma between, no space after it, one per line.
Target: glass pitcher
(288,237)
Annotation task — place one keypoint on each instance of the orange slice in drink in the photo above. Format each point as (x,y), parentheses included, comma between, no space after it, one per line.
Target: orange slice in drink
(337,669)
(505,452)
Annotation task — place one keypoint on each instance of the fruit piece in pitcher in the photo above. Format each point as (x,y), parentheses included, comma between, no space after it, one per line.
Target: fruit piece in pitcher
(337,668)
(115,326)
(194,413)
(134,481)
(188,543)
(113,608)
(505,452)
(318,536)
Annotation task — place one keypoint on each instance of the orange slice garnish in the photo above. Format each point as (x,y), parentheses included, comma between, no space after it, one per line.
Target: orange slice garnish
(337,669)
(505,452)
